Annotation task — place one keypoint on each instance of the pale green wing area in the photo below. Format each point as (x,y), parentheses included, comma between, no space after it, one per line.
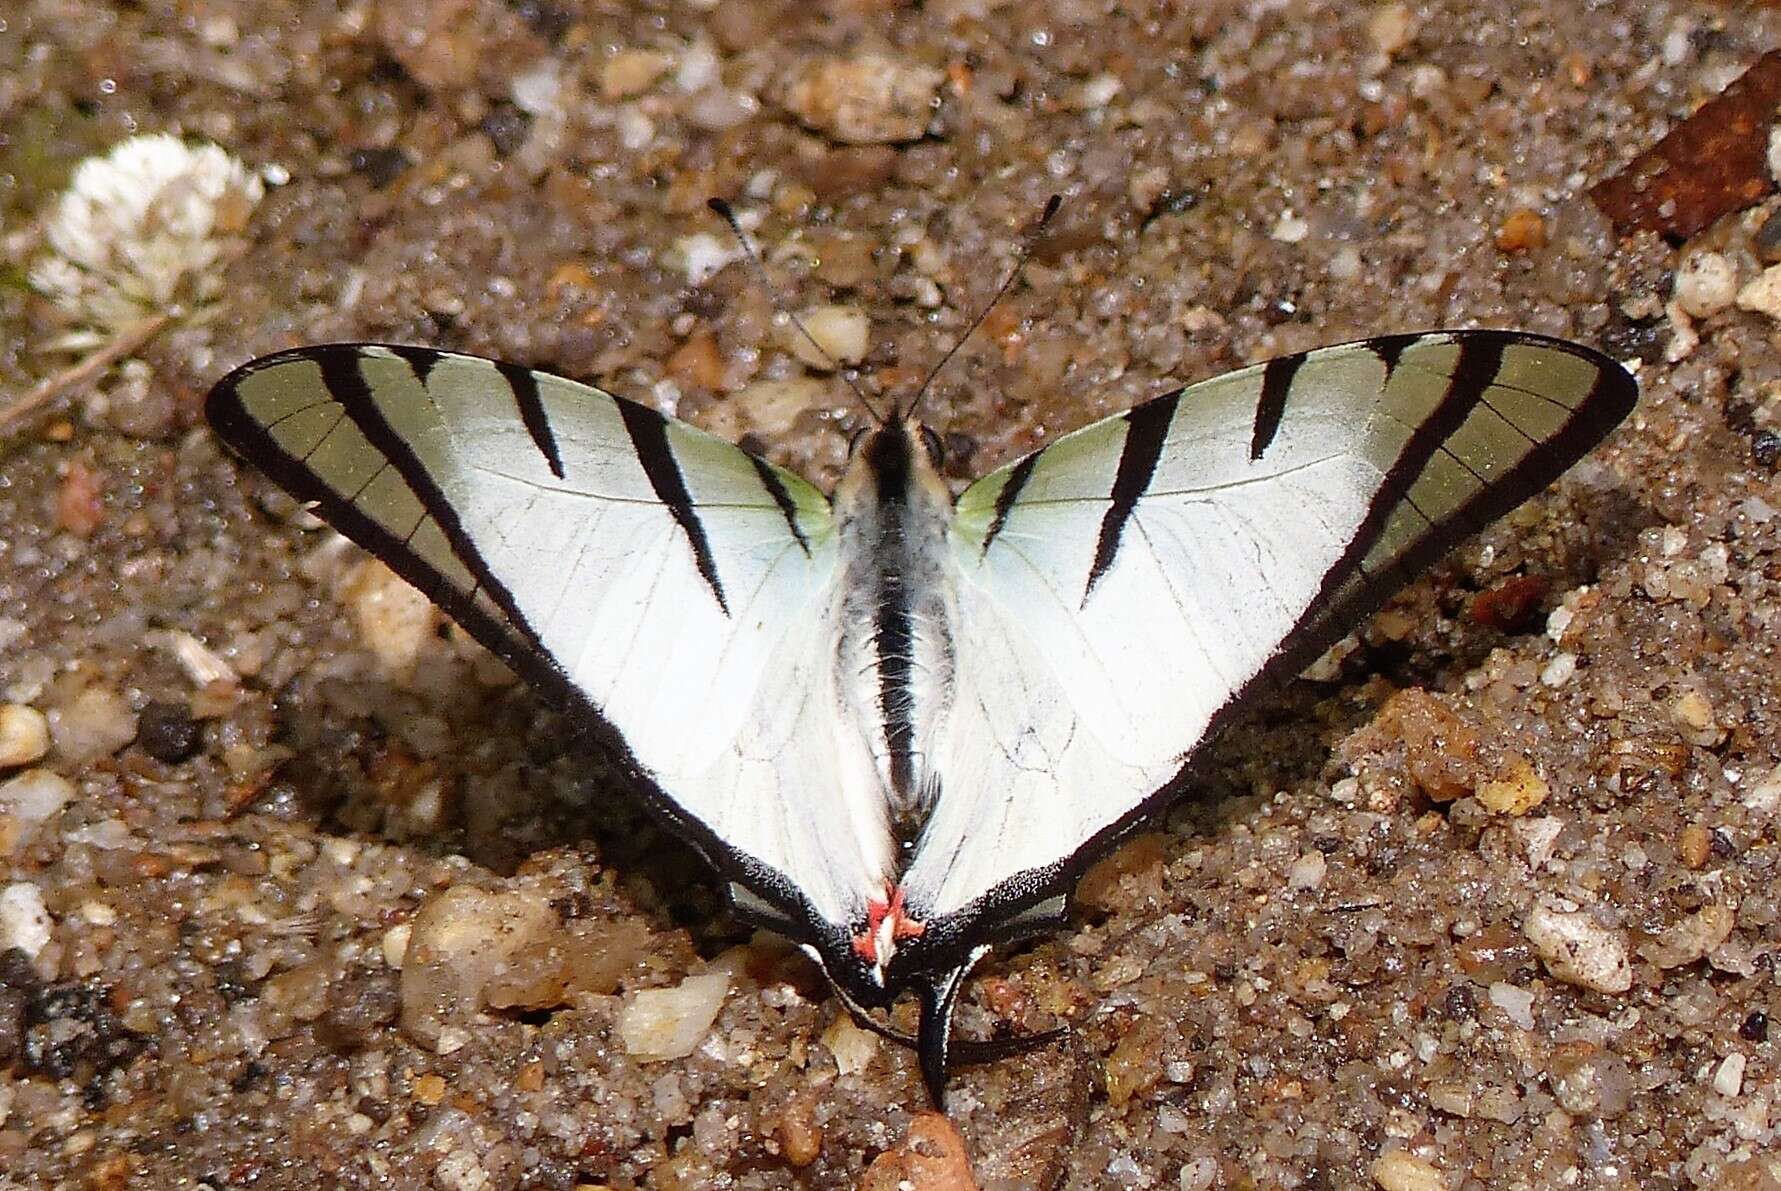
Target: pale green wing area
(677,587)
(1121,591)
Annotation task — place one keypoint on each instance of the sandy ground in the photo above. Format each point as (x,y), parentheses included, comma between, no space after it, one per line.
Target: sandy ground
(1377,949)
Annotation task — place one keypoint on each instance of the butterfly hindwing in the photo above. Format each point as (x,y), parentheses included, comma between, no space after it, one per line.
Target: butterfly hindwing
(664,579)
(1120,591)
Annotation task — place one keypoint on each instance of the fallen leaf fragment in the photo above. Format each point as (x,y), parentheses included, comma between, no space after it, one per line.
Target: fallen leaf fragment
(1713,163)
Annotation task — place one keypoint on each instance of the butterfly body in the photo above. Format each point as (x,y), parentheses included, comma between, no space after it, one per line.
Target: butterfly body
(894,655)
(900,724)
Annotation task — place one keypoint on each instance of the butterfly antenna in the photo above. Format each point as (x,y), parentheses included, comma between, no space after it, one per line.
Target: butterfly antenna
(1027,243)
(725,212)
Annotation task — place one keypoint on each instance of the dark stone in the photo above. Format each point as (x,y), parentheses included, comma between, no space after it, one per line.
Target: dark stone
(168,733)
(12,1025)
(1633,338)
(547,20)
(379,166)
(507,126)
(71,1033)
(1461,1003)
(358,1006)
(1768,238)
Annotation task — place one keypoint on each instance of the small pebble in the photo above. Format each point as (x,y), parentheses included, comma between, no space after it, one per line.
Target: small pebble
(536,91)
(702,256)
(1763,293)
(1768,239)
(1098,92)
(1454,1099)
(1391,27)
(395,945)
(393,619)
(1691,939)
(1290,228)
(1692,712)
(800,1137)
(168,733)
(668,1023)
(1764,796)
(1198,1174)
(1516,794)
(867,100)
(851,1046)
(80,501)
(1696,845)
(1516,1003)
(699,362)
(699,67)
(1559,670)
(842,333)
(930,1157)
(632,72)
(461,939)
(202,665)
(771,407)
(95,723)
(1307,871)
(1523,231)
(1135,1066)
(1729,1079)
(1538,837)
(1328,666)
(1706,283)
(1590,1082)
(1403,1171)
(24,921)
(24,735)
(1578,950)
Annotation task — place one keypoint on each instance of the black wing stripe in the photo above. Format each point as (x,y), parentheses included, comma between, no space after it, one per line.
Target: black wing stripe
(1147,427)
(1271,407)
(788,509)
(422,359)
(1017,480)
(1480,357)
(1390,347)
(649,437)
(524,383)
(345,381)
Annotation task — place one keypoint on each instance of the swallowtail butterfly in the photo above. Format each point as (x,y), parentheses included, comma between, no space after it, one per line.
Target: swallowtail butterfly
(902,723)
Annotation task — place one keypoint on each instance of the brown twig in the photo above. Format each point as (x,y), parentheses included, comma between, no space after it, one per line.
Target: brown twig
(122,344)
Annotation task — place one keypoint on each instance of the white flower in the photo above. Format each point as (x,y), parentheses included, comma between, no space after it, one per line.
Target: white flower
(139,231)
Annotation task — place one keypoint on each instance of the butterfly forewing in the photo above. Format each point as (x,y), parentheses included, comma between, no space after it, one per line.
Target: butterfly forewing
(678,588)
(1122,590)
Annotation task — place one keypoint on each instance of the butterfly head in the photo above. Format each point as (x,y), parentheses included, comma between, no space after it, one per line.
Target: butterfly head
(897,463)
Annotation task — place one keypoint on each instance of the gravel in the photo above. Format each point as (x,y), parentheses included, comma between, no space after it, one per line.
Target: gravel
(1349,959)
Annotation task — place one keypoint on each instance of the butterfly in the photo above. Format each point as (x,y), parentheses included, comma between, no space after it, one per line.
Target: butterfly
(899,723)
